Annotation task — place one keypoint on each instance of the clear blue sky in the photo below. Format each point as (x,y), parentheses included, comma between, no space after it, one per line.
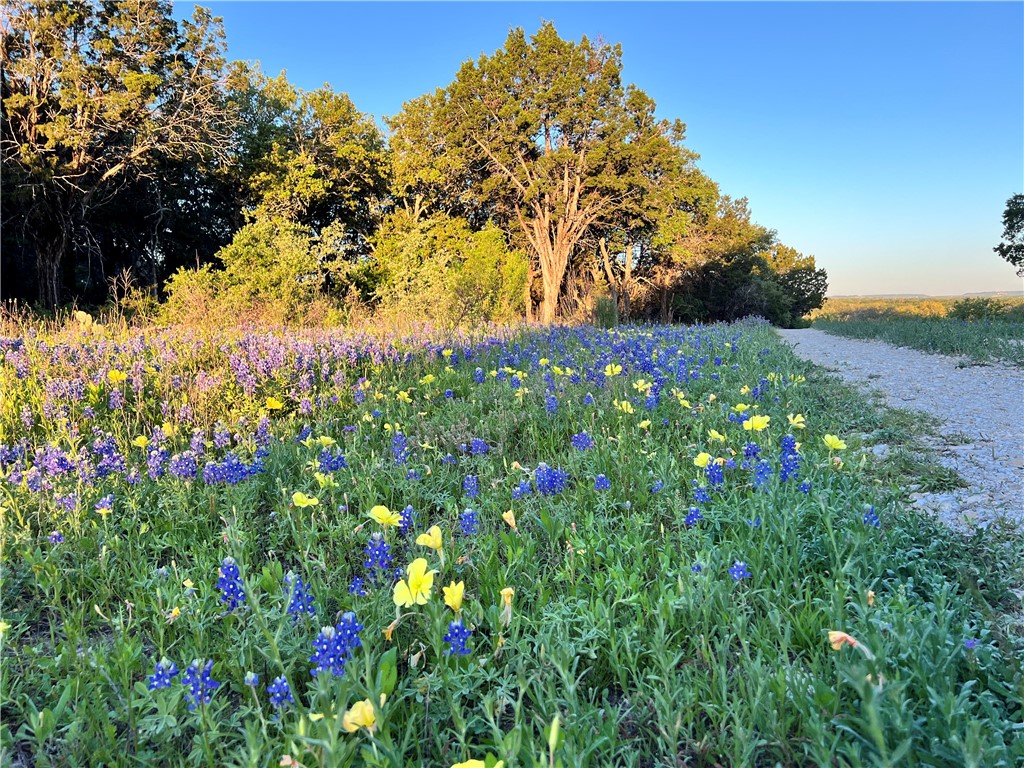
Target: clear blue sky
(884,138)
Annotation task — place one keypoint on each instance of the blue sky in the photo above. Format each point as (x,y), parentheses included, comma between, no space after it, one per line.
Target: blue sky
(884,138)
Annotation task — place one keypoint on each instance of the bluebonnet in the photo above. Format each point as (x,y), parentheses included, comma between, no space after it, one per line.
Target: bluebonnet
(478,447)
(524,489)
(805,487)
(378,557)
(551,404)
(449,459)
(739,571)
(751,450)
(155,462)
(231,470)
(696,567)
(449,394)
(400,448)
(334,645)
(358,587)
(106,503)
(304,433)
(412,475)
(471,487)
(601,483)
(280,693)
(658,485)
(330,461)
(789,467)
(300,599)
(199,683)
(252,679)
(222,436)
(468,522)
(693,516)
(970,643)
(582,442)
(755,523)
(871,518)
(514,382)
(183,465)
(456,638)
(230,584)
(588,399)
(715,473)
(478,376)
(166,670)
(700,493)
(406,519)
(56,537)
(762,473)
(549,481)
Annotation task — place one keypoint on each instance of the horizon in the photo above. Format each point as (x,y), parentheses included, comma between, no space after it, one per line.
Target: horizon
(849,158)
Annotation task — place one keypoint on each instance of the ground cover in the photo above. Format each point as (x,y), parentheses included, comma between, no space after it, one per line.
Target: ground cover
(639,546)
(980,341)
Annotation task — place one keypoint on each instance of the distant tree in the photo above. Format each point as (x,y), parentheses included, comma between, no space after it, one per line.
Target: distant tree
(1012,247)
(96,96)
(541,136)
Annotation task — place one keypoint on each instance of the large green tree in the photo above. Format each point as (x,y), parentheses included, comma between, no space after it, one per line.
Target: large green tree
(97,96)
(1012,247)
(542,136)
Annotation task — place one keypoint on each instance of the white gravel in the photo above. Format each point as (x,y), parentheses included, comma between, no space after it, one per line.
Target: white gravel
(979,410)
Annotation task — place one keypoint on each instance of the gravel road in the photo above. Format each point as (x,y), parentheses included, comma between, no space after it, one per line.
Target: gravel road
(979,409)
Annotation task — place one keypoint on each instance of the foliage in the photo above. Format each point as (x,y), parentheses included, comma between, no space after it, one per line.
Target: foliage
(440,271)
(779,606)
(1012,247)
(97,97)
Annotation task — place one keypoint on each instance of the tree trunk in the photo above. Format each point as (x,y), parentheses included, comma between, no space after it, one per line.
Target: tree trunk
(528,291)
(610,276)
(627,281)
(50,272)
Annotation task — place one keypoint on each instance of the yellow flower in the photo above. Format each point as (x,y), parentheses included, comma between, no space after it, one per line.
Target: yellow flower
(273,404)
(4,626)
(612,369)
(871,598)
(384,516)
(740,407)
(711,397)
(446,353)
(403,397)
(359,715)
(174,613)
(839,639)
(141,441)
(543,361)
(644,424)
(416,589)
(834,443)
(325,480)
(453,595)
(299,499)
(506,596)
(744,390)
(428,379)
(642,385)
(756,423)
(326,441)
(477,764)
(522,391)
(510,518)
(506,610)
(115,376)
(367,417)
(316,716)
(796,422)
(168,429)
(714,434)
(702,460)
(432,538)
(625,406)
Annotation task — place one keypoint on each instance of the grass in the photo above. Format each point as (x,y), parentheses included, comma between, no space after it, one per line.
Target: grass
(614,646)
(980,341)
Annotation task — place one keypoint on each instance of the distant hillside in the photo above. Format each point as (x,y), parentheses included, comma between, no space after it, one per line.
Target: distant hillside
(992,294)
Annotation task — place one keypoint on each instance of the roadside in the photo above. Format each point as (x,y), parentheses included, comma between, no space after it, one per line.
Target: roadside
(979,413)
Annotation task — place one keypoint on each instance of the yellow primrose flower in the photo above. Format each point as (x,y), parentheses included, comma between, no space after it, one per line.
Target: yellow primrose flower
(326,441)
(834,443)
(378,395)
(744,390)
(403,397)
(446,353)
(4,626)
(168,429)
(543,361)
(712,397)
(299,499)
(796,422)
(315,717)
(612,369)
(428,379)
(273,404)
(522,391)
(644,424)
(839,639)
(506,610)
(558,370)
(477,764)
(642,385)
(740,407)
(174,613)
(432,538)
(188,585)
(625,406)
(384,516)
(756,423)
(453,595)
(141,441)
(115,376)
(359,715)
(702,460)
(714,434)
(871,598)
(510,518)
(416,588)
(325,481)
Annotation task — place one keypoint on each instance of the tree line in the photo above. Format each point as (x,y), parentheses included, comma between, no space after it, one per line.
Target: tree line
(536,184)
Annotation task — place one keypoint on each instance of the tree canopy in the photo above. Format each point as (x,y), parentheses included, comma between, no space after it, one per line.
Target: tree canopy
(1012,246)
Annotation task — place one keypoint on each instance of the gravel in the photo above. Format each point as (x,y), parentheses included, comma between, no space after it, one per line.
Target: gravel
(979,410)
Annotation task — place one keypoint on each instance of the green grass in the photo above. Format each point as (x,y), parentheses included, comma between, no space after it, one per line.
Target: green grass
(611,633)
(980,341)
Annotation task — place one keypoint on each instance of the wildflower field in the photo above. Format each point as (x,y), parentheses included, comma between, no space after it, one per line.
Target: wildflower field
(569,546)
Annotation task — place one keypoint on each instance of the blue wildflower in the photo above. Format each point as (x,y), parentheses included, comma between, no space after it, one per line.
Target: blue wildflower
(448,394)
(739,571)
(871,518)
(658,485)
(300,600)
(378,557)
(230,584)
(166,670)
(549,481)
(358,587)
(478,376)
(406,519)
(478,447)
(805,487)
(471,487)
(199,683)
(468,522)
(252,679)
(551,404)
(334,645)
(696,567)
(582,442)
(400,448)
(693,516)
(601,483)
(280,693)
(524,489)
(456,638)
(56,537)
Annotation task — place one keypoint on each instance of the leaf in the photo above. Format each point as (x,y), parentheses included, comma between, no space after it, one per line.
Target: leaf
(387,673)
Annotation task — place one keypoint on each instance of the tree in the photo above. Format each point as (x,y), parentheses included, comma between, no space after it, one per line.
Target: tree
(95,95)
(1012,247)
(541,136)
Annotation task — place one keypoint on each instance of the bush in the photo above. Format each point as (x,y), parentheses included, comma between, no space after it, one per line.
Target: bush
(977,308)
